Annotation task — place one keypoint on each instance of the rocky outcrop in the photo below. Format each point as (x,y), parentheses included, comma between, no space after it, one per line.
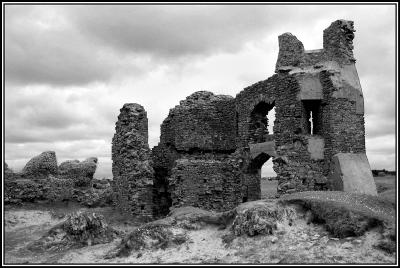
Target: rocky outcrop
(132,168)
(261,219)
(79,230)
(81,173)
(150,236)
(41,166)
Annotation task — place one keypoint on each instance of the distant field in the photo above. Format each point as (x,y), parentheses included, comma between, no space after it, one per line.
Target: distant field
(268,188)
(386,183)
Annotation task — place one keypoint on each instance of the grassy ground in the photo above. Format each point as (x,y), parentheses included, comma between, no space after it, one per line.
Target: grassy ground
(385,183)
(268,188)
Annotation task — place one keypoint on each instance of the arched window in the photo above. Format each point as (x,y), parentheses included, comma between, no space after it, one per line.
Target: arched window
(260,122)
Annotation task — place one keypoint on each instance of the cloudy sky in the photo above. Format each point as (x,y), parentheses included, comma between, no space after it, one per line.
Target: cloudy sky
(69,69)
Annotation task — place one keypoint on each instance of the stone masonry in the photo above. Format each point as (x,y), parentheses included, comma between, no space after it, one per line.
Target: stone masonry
(212,147)
(81,173)
(191,162)
(132,169)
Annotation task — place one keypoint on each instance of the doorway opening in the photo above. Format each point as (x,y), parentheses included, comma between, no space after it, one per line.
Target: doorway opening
(254,183)
(269,181)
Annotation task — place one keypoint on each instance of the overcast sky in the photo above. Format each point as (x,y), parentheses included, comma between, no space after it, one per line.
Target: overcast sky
(69,69)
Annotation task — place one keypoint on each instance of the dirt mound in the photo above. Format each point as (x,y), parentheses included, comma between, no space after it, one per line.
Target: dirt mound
(345,214)
(261,218)
(148,236)
(79,230)
(193,218)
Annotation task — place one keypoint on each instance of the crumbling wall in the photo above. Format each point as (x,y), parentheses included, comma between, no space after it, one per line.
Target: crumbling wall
(252,107)
(203,121)
(36,183)
(41,166)
(297,167)
(209,184)
(337,47)
(202,128)
(324,82)
(262,92)
(81,173)
(209,152)
(132,169)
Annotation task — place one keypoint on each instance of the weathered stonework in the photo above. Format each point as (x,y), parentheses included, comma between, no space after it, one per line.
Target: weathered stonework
(74,182)
(41,166)
(191,162)
(212,147)
(81,173)
(325,83)
(132,169)
(210,184)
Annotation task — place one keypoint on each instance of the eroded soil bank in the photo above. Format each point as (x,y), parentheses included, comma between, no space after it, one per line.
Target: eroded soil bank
(197,236)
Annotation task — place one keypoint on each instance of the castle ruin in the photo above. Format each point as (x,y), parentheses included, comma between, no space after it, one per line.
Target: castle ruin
(212,147)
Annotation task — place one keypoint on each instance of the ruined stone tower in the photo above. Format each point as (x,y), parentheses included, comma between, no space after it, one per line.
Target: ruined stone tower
(132,169)
(212,147)
(321,86)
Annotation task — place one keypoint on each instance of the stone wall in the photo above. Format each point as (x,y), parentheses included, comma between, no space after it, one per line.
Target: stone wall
(324,82)
(212,147)
(132,169)
(209,184)
(41,166)
(81,173)
(263,93)
(197,137)
(337,47)
(20,187)
(203,121)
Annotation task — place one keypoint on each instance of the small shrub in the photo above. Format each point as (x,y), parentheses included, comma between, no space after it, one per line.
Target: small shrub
(261,219)
(228,238)
(149,236)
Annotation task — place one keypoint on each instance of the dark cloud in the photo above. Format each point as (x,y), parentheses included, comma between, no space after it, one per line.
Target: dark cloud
(45,49)
(170,31)
(73,45)
(39,115)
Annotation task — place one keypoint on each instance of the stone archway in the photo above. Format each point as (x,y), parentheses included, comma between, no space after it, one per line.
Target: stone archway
(251,189)
(258,122)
